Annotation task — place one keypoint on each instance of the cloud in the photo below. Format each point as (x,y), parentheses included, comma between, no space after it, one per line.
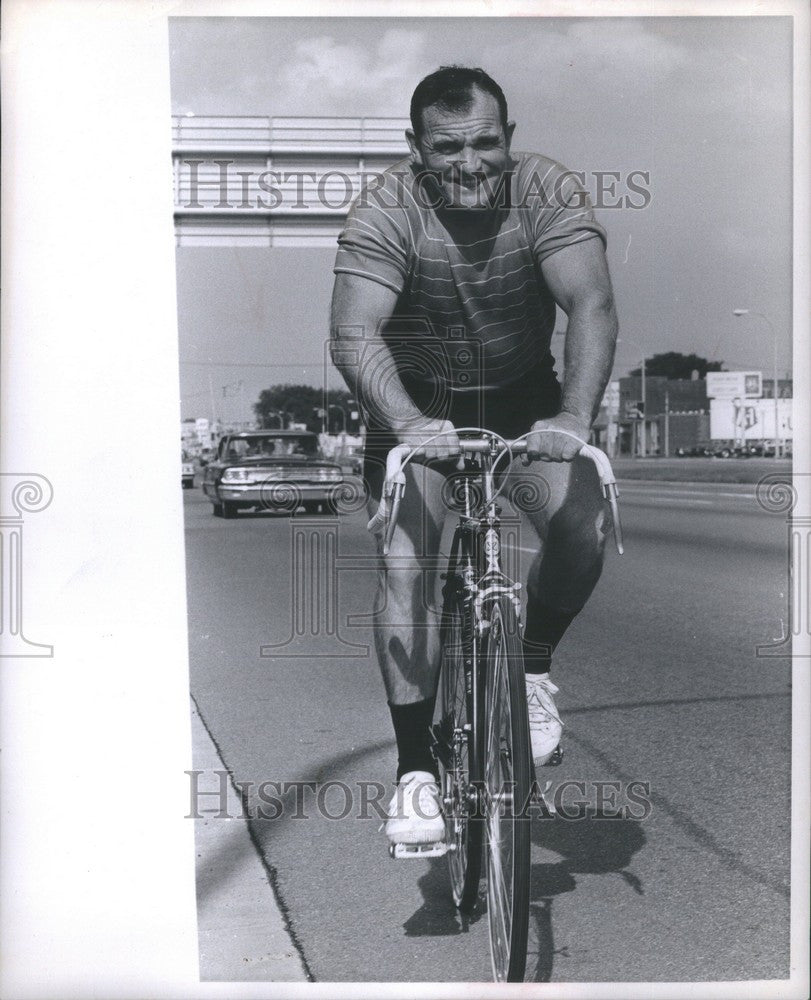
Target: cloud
(326,77)
(615,50)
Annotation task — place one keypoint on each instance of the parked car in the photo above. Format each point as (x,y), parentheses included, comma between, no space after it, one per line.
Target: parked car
(187,473)
(696,451)
(270,470)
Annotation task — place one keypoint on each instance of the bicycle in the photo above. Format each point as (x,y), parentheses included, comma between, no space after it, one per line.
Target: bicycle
(481,727)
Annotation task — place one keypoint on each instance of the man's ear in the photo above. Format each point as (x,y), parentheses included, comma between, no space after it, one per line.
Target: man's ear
(508,132)
(413,145)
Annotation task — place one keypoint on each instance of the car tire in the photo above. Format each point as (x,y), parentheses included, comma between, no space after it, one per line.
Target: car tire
(229,510)
(216,510)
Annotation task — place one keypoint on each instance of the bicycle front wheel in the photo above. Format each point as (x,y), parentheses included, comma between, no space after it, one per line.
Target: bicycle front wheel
(507,775)
(456,751)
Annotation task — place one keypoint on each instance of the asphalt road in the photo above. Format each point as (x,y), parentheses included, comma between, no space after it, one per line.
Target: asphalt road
(660,683)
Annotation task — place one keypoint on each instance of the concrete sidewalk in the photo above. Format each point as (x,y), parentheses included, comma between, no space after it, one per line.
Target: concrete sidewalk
(241,930)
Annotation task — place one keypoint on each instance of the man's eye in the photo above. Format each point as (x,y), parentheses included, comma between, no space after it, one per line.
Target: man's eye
(487,143)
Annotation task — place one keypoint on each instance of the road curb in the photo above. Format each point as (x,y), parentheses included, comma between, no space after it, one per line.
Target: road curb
(241,932)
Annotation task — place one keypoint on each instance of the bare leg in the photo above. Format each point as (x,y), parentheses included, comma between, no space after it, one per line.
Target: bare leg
(570,520)
(406,626)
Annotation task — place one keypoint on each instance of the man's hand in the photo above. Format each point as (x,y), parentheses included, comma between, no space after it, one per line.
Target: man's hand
(557,447)
(444,448)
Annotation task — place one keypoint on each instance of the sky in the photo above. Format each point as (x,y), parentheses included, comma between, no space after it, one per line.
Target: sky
(703,105)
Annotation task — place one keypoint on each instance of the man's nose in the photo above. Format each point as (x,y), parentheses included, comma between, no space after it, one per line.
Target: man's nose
(469,161)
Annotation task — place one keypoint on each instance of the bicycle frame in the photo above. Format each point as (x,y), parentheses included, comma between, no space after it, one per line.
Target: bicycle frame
(476,551)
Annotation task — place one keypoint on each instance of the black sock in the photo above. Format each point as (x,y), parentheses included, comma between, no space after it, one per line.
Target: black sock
(544,630)
(411,728)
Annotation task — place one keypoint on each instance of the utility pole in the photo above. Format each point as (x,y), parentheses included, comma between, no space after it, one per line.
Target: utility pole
(643,449)
(213,408)
(667,424)
(609,426)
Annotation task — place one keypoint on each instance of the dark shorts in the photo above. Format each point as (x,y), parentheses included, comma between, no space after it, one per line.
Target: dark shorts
(509,411)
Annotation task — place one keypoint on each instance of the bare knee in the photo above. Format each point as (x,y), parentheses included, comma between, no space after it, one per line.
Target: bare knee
(407,588)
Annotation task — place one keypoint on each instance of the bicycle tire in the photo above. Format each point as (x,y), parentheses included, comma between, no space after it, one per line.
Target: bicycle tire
(457,752)
(506,790)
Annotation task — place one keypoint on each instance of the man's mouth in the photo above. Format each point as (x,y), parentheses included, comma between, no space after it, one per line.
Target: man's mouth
(467,182)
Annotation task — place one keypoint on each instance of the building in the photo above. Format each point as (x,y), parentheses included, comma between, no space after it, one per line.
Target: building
(682,413)
(274,182)
(675,415)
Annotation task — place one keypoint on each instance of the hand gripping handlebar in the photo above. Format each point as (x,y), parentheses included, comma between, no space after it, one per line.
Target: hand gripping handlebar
(385,519)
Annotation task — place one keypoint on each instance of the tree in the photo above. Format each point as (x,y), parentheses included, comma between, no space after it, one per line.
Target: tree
(675,365)
(281,405)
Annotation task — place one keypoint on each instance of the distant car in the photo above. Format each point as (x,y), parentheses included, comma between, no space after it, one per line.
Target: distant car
(696,451)
(270,470)
(187,474)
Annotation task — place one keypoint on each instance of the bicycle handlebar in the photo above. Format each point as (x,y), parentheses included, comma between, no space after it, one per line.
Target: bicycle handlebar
(393,488)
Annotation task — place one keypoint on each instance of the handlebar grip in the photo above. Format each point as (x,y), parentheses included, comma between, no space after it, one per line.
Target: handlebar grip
(378,520)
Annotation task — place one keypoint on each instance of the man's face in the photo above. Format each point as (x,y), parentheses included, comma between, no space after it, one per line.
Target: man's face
(467,150)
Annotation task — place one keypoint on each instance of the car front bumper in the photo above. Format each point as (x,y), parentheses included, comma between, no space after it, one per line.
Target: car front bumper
(275,494)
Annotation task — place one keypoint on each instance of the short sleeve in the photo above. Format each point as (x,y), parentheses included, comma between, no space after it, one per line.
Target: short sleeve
(561,209)
(374,242)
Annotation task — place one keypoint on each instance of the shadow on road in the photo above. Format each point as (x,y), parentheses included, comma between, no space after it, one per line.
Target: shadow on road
(587,846)
(438,916)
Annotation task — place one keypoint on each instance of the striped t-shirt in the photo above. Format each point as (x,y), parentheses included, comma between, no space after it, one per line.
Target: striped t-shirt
(474,313)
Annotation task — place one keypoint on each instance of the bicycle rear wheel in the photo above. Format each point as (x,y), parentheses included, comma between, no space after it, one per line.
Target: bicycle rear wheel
(455,747)
(507,775)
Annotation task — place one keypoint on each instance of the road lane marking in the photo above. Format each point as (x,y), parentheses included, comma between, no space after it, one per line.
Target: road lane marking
(655,491)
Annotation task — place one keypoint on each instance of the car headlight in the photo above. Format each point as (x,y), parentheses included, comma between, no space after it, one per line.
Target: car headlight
(235,476)
(330,475)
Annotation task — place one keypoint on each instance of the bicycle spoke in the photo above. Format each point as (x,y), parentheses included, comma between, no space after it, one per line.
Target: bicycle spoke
(496,859)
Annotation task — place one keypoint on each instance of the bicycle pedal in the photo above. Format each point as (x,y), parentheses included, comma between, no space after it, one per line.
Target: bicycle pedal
(401,851)
(556,758)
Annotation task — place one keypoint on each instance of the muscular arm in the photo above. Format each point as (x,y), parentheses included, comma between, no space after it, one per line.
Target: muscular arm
(359,306)
(578,278)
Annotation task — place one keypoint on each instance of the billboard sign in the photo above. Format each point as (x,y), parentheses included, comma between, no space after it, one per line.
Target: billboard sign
(728,385)
(749,419)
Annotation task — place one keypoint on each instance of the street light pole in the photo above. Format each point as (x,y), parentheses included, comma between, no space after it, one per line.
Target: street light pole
(778,437)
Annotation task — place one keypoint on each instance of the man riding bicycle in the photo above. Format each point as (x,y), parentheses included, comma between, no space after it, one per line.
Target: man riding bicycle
(448,273)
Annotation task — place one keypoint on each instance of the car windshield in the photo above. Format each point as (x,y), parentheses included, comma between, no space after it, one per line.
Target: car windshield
(270,446)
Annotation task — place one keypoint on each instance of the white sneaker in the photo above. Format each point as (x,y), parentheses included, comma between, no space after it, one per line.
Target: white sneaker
(545,727)
(415,812)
